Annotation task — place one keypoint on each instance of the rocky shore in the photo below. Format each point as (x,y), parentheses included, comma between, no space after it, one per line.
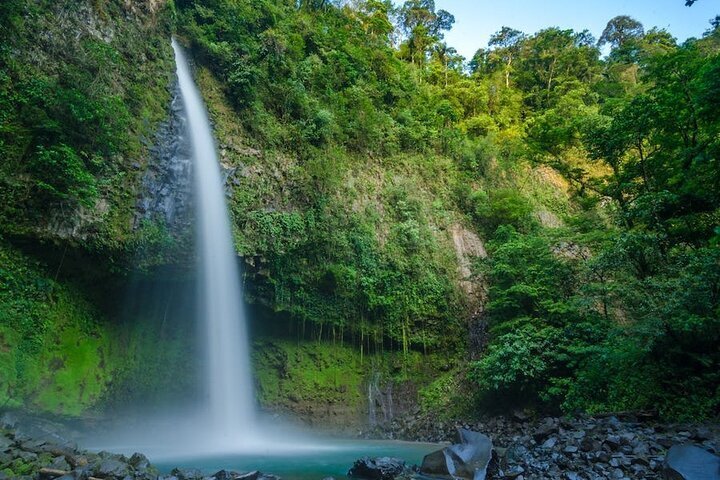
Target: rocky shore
(33,448)
(608,447)
(514,447)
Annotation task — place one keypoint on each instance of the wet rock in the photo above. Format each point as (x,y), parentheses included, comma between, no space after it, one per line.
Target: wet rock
(514,471)
(550,443)
(687,462)
(224,475)
(111,468)
(187,474)
(546,428)
(139,462)
(469,459)
(59,463)
(380,468)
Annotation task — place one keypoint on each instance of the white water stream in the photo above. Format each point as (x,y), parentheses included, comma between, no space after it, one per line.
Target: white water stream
(226,421)
(231,408)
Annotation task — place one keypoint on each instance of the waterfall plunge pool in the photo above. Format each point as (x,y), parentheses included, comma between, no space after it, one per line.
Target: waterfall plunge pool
(331,458)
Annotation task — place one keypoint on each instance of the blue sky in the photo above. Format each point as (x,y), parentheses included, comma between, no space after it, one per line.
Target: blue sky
(476,20)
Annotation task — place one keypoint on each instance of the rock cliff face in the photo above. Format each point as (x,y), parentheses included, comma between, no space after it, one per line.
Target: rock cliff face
(86,86)
(166,192)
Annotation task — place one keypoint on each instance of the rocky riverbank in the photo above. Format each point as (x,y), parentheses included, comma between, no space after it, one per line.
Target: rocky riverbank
(608,447)
(518,448)
(33,448)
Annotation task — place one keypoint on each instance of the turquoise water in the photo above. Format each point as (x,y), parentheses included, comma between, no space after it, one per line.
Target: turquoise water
(332,459)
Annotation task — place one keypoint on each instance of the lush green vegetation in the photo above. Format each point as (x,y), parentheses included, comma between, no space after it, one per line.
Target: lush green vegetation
(371,169)
(603,265)
(81,91)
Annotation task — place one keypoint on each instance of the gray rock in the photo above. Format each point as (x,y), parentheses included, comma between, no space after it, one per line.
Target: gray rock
(59,463)
(223,475)
(687,462)
(546,428)
(5,443)
(514,472)
(550,443)
(613,441)
(468,460)
(187,473)
(380,468)
(111,467)
(139,462)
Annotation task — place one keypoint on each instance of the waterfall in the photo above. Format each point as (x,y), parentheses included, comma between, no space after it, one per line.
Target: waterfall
(230,406)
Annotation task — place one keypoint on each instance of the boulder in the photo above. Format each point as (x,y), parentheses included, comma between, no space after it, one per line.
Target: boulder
(381,468)
(548,427)
(112,468)
(139,462)
(187,474)
(223,475)
(687,462)
(467,460)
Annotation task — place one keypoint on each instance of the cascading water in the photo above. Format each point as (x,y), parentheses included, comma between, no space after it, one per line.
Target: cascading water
(227,421)
(229,381)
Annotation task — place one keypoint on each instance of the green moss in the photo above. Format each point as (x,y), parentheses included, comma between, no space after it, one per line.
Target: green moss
(53,344)
(290,374)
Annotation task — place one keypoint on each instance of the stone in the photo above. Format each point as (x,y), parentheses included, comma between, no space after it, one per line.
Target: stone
(546,428)
(223,475)
(550,443)
(111,468)
(5,443)
(688,462)
(380,468)
(139,462)
(617,473)
(467,460)
(254,475)
(613,441)
(514,472)
(588,444)
(187,473)
(59,463)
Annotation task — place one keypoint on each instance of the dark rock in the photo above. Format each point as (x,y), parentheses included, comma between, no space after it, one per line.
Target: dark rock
(550,443)
(588,444)
(223,475)
(111,467)
(613,441)
(701,434)
(254,475)
(139,462)
(687,462)
(76,461)
(381,468)
(469,459)
(25,456)
(187,474)
(435,464)
(546,428)
(514,471)
(59,463)
(5,443)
